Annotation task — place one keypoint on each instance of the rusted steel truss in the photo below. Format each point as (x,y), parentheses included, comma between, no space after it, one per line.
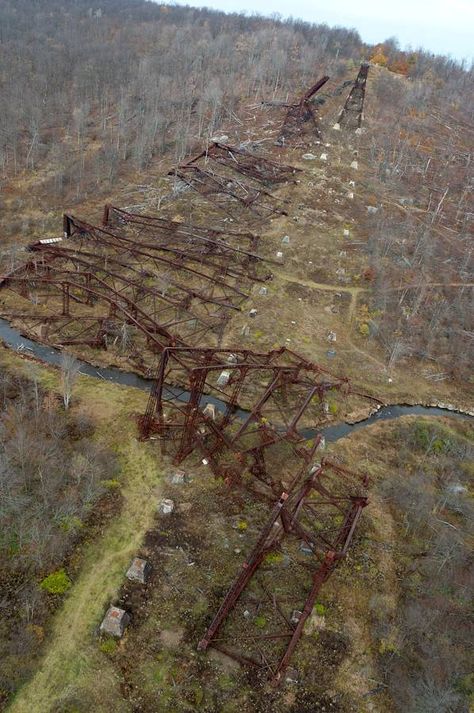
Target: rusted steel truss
(167,282)
(242,182)
(352,113)
(300,118)
(232,250)
(284,396)
(248,164)
(211,263)
(214,186)
(86,310)
(303,540)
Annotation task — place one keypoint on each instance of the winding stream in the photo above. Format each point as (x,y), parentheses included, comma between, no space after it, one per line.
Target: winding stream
(14,339)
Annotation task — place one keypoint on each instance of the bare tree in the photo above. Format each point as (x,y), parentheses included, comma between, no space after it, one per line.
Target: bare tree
(69,370)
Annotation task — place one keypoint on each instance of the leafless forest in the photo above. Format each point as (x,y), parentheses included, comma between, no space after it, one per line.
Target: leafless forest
(51,476)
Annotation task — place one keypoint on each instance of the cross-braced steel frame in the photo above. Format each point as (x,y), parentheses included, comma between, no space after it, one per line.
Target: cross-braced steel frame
(352,113)
(250,165)
(86,310)
(303,540)
(245,414)
(301,117)
(100,287)
(239,409)
(192,259)
(213,186)
(233,250)
(242,182)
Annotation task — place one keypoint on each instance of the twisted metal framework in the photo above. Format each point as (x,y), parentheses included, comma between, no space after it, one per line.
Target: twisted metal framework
(282,394)
(250,165)
(352,113)
(242,180)
(191,256)
(196,407)
(214,187)
(153,284)
(305,537)
(233,252)
(300,117)
(86,310)
(172,283)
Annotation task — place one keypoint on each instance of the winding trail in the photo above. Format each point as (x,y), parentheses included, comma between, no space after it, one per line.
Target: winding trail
(354,292)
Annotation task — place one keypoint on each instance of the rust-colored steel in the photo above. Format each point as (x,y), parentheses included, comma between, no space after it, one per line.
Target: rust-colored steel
(174,279)
(167,253)
(162,286)
(248,570)
(177,232)
(245,173)
(300,117)
(352,113)
(320,512)
(250,165)
(55,266)
(282,394)
(211,185)
(79,288)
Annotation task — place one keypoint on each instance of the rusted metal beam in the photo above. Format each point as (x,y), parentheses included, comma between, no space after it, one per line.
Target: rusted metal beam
(300,119)
(282,394)
(210,184)
(289,513)
(262,545)
(352,113)
(250,165)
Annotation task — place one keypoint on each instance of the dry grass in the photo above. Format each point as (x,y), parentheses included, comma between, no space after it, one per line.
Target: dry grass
(71,660)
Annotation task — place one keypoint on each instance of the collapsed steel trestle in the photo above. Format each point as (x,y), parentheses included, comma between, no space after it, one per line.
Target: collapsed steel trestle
(243,180)
(352,113)
(250,165)
(173,284)
(151,275)
(301,116)
(282,394)
(304,538)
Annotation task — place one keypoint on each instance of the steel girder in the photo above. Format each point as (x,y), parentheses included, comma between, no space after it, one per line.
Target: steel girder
(78,315)
(300,117)
(211,270)
(197,405)
(352,113)
(213,185)
(244,175)
(250,165)
(232,250)
(306,535)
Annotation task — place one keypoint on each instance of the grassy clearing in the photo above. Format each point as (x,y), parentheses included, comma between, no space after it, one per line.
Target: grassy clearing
(72,660)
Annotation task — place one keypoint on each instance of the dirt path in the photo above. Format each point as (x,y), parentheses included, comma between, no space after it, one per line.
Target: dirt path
(72,656)
(353,291)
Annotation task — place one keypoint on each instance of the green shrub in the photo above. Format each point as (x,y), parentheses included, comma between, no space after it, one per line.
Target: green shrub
(56,582)
(333,408)
(108,646)
(110,484)
(273,558)
(466,685)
